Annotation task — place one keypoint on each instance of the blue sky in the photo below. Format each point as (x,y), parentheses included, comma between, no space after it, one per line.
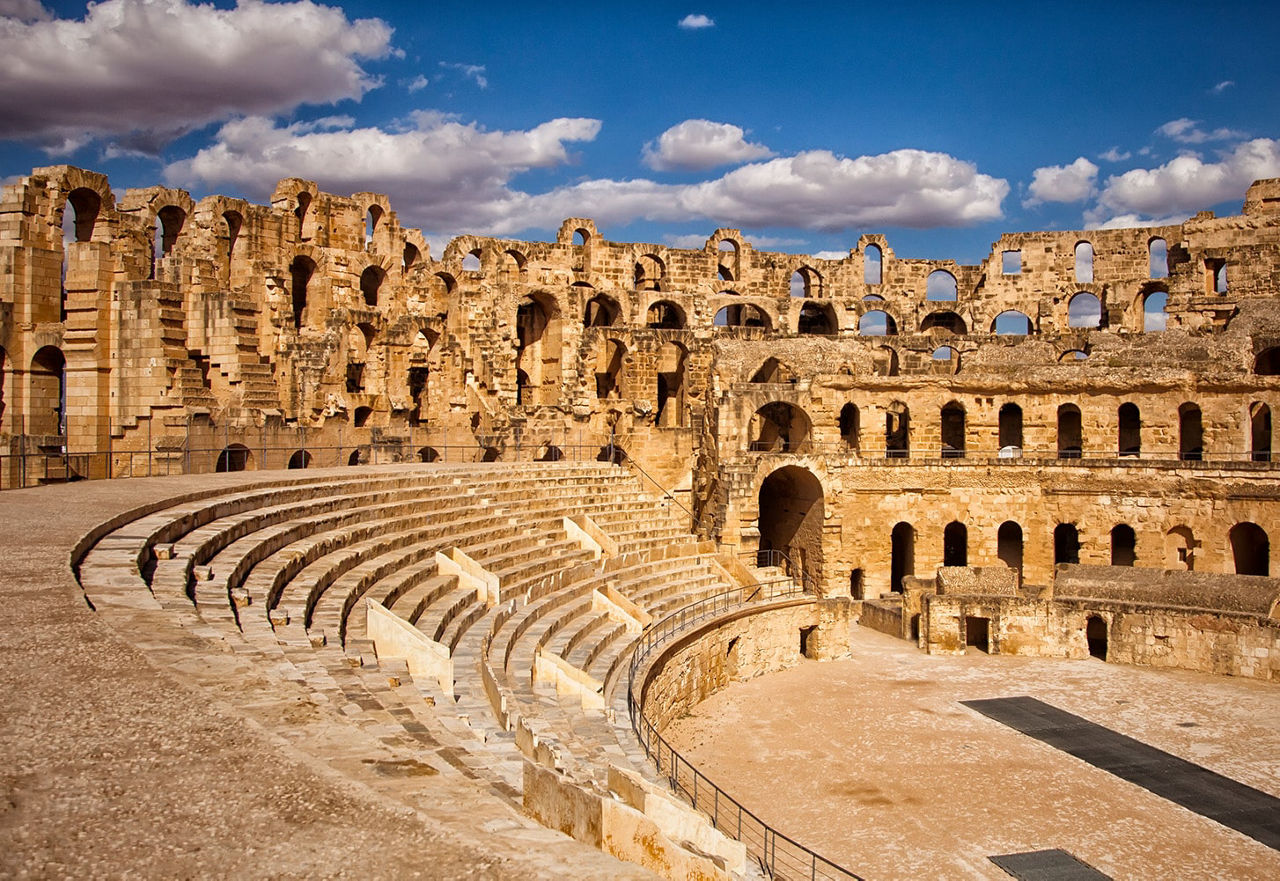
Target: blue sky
(939,124)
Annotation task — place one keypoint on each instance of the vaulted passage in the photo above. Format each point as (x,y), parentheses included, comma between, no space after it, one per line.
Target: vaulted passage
(791,516)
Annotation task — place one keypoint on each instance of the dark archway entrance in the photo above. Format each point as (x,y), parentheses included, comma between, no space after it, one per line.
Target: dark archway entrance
(1124,546)
(1095,632)
(791,516)
(902,560)
(955,544)
(1250,549)
(1066,543)
(236,457)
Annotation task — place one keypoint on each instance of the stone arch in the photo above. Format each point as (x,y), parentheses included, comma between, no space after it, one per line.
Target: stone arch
(47,392)
(409,257)
(952,427)
(300,459)
(1157,258)
(1154,314)
(1129,432)
(897,431)
(1011,322)
(1066,543)
(955,544)
(1190,433)
(168,226)
(370,282)
(665,315)
(1010,430)
(1070,440)
(773,370)
(361,417)
(805,282)
(601,310)
(1084,262)
(609,365)
(945,322)
(902,555)
(884,361)
(650,271)
(742,315)
(301,271)
(670,412)
(872,265)
(1250,549)
(779,427)
(1124,545)
(234,457)
(1095,634)
(514,265)
(941,287)
(538,342)
(1084,310)
(791,518)
(1267,362)
(1009,543)
(877,322)
(850,426)
(232,223)
(1071,356)
(428,454)
(85,204)
(817,319)
(1259,432)
(372,218)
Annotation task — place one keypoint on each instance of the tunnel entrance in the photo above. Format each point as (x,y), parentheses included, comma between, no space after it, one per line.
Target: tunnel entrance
(791,517)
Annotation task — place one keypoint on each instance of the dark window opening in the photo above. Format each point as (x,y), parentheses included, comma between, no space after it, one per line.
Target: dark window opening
(808,644)
(1066,543)
(1124,546)
(955,544)
(977,633)
(1095,633)
(902,561)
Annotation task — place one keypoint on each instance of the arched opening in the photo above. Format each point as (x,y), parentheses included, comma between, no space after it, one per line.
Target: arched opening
(1124,545)
(419,376)
(609,368)
(941,287)
(1010,431)
(358,457)
(1095,634)
(872,265)
(513,265)
(1157,258)
(301,212)
(1011,322)
(791,517)
(953,431)
(601,311)
(1179,548)
(818,319)
(1066,543)
(897,431)
(945,360)
(1070,435)
(884,361)
(742,315)
(1154,318)
(955,544)
(877,322)
(299,459)
(581,237)
(428,454)
(371,219)
(1260,432)
(945,322)
(1130,430)
(1267,362)
(443,284)
(300,272)
(370,281)
(670,368)
(538,349)
(48,393)
(85,203)
(612,453)
(1190,433)
(850,426)
(1084,263)
(1250,549)
(1009,545)
(169,222)
(471,262)
(902,555)
(856,589)
(1084,310)
(779,428)
(409,259)
(806,282)
(233,222)
(550,453)
(235,457)
(361,417)
(649,272)
(773,370)
(724,273)
(665,315)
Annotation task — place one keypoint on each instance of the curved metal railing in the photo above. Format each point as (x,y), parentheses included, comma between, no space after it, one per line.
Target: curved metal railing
(778,855)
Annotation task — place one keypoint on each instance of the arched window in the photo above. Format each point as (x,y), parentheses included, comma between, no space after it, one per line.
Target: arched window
(1084,263)
(169,223)
(235,457)
(1190,433)
(411,256)
(301,212)
(299,459)
(471,262)
(849,426)
(370,281)
(665,315)
(1070,440)
(609,369)
(944,322)
(85,204)
(1158,258)
(1130,430)
(953,431)
(818,319)
(1250,549)
(1084,310)
(742,315)
(300,272)
(670,391)
(1267,362)
(955,544)
(581,237)
(1153,311)
(941,287)
(806,282)
(1009,545)
(47,393)
(1124,546)
(601,311)
(649,272)
(779,427)
(1066,543)
(773,370)
(902,560)
(1011,323)
(876,323)
(1179,548)
(1010,431)
(872,267)
(1260,432)
(897,431)
(371,223)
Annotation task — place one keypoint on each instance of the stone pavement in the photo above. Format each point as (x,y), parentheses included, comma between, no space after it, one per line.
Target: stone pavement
(128,747)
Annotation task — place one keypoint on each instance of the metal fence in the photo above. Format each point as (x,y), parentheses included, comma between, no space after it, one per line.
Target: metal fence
(1017,456)
(778,855)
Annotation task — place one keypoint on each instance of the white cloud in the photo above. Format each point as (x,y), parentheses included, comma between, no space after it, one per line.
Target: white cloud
(693,241)
(1187,131)
(698,144)
(1185,184)
(1114,155)
(1222,87)
(1062,183)
(696,21)
(473,72)
(831,255)
(446,175)
(149,70)
(24,10)
(417,84)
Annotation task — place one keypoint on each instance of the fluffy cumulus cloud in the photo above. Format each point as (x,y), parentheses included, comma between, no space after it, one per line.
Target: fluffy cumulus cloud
(145,71)
(696,21)
(1188,131)
(447,175)
(1062,183)
(474,72)
(1183,185)
(698,144)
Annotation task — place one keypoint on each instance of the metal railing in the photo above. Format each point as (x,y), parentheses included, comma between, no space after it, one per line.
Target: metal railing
(1019,456)
(778,855)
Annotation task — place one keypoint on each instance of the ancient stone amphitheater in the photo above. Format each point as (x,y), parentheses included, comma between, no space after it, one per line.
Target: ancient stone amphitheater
(418,557)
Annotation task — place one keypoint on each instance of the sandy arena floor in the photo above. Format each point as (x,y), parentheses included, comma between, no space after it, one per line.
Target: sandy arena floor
(874,763)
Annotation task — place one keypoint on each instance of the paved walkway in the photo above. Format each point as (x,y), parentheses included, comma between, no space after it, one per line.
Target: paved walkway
(875,763)
(131,748)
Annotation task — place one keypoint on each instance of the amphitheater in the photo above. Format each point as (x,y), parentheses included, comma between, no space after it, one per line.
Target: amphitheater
(329,557)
